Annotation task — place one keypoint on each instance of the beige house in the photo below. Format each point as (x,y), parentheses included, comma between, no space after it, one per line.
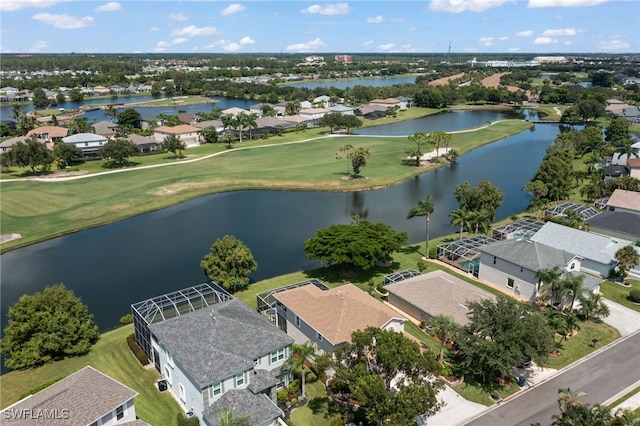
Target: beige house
(634,166)
(188,134)
(624,201)
(48,134)
(329,317)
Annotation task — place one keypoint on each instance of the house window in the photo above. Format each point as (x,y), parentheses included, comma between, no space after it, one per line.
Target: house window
(297,321)
(494,260)
(573,266)
(319,336)
(167,373)
(510,282)
(522,269)
(217,389)
(277,355)
(280,382)
(183,396)
(239,379)
(120,412)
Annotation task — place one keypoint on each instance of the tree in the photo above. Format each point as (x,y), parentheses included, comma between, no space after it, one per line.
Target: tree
(360,245)
(228,122)
(419,141)
(575,412)
(118,151)
(332,120)
(592,306)
(79,125)
(459,217)
(485,196)
(453,155)
(571,285)
(229,263)
(300,355)
(445,327)
(129,119)
(250,122)
(359,157)
(500,335)
(424,208)
(438,139)
(627,258)
(389,377)
(351,122)
(173,144)
(66,152)
(345,151)
(617,132)
(227,418)
(548,283)
(556,173)
(32,153)
(46,326)
(76,95)
(40,100)
(111,112)
(210,134)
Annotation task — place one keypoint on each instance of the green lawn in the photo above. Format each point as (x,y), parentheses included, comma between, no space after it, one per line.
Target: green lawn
(581,344)
(112,356)
(317,411)
(620,294)
(42,210)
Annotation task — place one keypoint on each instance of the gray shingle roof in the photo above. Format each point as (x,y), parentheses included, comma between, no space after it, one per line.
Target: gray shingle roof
(626,222)
(242,401)
(219,341)
(528,254)
(79,399)
(263,379)
(84,137)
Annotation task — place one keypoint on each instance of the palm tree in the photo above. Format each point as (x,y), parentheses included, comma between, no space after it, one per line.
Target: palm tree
(568,398)
(300,355)
(250,122)
(551,278)
(438,139)
(228,122)
(424,208)
(479,219)
(239,122)
(459,217)
(445,327)
(592,306)
(571,284)
(627,258)
(227,418)
(111,112)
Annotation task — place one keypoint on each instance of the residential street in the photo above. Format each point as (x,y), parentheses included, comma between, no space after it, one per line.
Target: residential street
(602,375)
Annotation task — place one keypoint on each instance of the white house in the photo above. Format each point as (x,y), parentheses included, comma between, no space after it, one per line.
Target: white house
(88,143)
(87,397)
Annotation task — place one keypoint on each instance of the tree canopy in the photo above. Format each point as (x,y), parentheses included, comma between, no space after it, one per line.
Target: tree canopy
(485,197)
(360,245)
(388,376)
(500,335)
(118,151)
(46,326)
(229,263)
(31,153)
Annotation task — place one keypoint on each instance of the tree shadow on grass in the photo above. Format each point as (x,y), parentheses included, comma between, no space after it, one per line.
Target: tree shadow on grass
(324,406)
(342,274)
(114,165)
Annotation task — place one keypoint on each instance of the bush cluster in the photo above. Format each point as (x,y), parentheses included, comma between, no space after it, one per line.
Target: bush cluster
(634,295)
(137,351)
(183,421)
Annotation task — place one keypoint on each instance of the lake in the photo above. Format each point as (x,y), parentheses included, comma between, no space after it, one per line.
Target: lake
(115,265)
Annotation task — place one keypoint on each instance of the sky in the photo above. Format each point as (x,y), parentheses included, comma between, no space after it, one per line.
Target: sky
(316,27)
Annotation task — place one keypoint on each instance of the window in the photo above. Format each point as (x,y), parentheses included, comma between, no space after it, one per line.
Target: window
(573,266)
(297,321)
(277,355)
(522,269)
(319,336)
(510,282)
(280,382)
(239,379)
(494,260)
(120,412)
(217,389)
(167,373)
(183,396)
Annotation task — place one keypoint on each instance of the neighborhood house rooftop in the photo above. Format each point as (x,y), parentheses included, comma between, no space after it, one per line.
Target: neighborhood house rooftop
(266,299)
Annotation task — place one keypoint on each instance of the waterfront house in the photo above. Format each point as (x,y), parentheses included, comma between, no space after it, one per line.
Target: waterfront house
(186,133)
(87,397)
(145,144)
(105,128)
(327,318)
(88,143)
(48,134)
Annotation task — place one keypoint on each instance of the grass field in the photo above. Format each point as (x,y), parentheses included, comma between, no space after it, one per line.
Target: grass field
(620,294)
(42,210)
(112,356)
(581,344)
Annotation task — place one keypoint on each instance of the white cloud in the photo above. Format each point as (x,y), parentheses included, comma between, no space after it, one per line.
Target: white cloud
(216,43)
(375,20)
(387,47)
(192,31)
(247,40)
(613,45)
(513,49)
(178,16)
(486,41)
(38,46)
(560,32)
(457,6)
(396,20)
(11,5)
(63,21)
(309,46)
(564,3)
(503,38)
(231,47)
(162,45)
(328,9)
(526,33)
(109,7)
(152,29)
(544,40)
(232,9)
(368,43)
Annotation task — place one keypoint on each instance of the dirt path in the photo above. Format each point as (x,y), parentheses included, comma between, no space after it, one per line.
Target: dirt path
(445,80)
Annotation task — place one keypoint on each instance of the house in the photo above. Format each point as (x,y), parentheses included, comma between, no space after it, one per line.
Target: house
(217,124)
(434,293)
(513,264)
(626,201)
(388,102)
(9,143)
(634,167)
(218,345)
(105,128)
(321,101)
(342,109)
(88,143)
(313,112)
(233,111)
(597,251)
(87,397)
(328,317)
(372,111)
(48,134)
(405,102)
(616,224)
(186,133)
(145,144)
(261,411)
(188,118)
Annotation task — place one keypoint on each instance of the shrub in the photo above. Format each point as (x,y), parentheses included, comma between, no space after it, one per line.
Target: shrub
(421,265)
(294,386)
(381,288)
(433,253)
(183,421)
(423,324)
(634,295)
(283,395)
(126,319)
(142,357)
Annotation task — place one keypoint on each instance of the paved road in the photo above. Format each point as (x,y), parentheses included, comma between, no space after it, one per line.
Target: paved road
(601,375)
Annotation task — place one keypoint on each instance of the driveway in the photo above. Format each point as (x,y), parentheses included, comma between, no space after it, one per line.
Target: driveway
(624,319)
(456,409)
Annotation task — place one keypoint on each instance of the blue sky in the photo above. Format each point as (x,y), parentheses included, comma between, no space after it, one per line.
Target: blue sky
(469,26)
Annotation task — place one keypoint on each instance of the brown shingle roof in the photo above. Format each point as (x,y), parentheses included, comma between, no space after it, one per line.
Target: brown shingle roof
(633,162)
(338,312)
(79,399)
(51,131)
(625,199)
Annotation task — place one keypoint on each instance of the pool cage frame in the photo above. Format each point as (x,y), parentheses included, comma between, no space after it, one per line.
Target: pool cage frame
(560,210)
(521,228)
(171,305)
(400,276)
(458,252)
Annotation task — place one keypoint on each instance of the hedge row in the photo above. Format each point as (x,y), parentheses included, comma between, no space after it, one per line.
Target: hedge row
(137,351)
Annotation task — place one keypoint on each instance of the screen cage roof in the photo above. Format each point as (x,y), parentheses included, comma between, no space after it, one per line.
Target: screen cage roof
(521,228)
(400,276)
(562,209)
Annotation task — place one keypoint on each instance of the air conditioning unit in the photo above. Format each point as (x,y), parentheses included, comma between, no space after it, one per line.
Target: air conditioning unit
(162,385)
